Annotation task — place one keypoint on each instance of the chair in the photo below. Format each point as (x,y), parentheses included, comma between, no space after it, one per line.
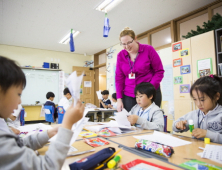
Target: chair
(165,123)
(61,113)
(49,114)
(22,120)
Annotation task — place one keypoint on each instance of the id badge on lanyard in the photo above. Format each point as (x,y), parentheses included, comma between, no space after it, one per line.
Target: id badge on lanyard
(132,75)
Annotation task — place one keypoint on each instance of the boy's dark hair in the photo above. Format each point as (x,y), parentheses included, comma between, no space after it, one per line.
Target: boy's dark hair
(104,92)
(50,94)
(146,88)
(209,85)
(10,74)
(114,96)
(66,90)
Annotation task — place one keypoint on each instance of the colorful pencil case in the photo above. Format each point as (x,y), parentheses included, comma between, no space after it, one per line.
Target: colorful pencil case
(154,147)
(92,161)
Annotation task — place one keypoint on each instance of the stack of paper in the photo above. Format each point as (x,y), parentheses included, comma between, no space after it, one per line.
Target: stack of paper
(213,152)
(165,139)
(113,126)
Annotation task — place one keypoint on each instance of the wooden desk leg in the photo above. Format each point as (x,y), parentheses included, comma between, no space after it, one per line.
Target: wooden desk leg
(103,117)
(95,116)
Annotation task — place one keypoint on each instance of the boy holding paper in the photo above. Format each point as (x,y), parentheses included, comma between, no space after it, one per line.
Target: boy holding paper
(105,101)
(146,113)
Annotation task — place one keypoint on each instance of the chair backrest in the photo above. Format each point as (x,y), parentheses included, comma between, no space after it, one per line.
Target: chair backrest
(49,116)
(61,110)
(165,123)
(22,120)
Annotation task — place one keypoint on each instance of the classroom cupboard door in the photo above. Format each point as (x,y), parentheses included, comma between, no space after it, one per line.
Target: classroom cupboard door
(87,86)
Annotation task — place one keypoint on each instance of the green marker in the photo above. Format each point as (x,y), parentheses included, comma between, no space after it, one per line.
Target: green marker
(191,125)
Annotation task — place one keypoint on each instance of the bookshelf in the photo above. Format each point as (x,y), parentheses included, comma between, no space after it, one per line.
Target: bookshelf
(218,42)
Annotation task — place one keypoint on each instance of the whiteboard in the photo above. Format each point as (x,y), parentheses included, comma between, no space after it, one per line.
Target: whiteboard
(38,84)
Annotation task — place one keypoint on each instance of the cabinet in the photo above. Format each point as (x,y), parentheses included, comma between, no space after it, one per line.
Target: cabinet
(200,47)
(218,41)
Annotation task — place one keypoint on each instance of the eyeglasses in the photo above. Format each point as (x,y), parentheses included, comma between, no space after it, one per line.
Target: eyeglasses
(128,43)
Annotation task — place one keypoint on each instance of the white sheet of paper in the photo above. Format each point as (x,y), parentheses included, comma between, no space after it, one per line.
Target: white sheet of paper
(30,128)
(99,95)
(42,113)
(87,84)
(121,118)
(73,83)
(213,152)
(47,111)
(162,138)
(115,130)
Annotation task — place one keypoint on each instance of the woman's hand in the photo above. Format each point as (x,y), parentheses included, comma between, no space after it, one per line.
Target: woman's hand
(199,133)
(119,105)
(181,125)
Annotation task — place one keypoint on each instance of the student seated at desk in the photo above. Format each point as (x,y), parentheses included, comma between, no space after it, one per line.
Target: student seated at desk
(146,113)
(50,97)
(67,100)
(18,153)
(14,119)
(114,102)
(105,101)
(206,93)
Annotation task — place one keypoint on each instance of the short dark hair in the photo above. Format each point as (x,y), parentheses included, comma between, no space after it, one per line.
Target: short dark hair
(66,90)
(104,92)
(10,74)
(114,96)
(146,88)
(209,85)
(50,94)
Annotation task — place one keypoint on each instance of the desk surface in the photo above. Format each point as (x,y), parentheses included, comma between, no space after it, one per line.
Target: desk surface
(126,156)
(186,151)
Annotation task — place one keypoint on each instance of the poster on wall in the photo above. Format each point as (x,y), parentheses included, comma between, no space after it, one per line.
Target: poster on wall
(184,52)
(204,67)
(177,46)
(185,69)
(178,80)
(177,62)
(185,88)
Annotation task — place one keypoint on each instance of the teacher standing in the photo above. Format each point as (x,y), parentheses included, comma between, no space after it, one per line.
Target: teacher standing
(136,63)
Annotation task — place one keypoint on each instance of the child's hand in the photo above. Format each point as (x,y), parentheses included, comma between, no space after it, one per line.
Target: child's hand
(53,131)
(181,125)
(199,133)
(132,119)
(109,106)
(73,115)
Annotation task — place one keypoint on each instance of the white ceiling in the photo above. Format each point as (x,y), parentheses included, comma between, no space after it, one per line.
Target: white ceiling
(43,23)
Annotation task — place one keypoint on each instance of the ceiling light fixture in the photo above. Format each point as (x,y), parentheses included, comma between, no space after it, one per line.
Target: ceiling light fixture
(66,39)
(107,5)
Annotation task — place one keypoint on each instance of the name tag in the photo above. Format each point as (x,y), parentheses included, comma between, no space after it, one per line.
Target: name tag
(132,76)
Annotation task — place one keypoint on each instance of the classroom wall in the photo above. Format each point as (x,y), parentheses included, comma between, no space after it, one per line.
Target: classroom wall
(36,57)
(111,67)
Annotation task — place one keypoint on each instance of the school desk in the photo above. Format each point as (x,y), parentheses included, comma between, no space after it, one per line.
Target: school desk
(181,153)
(126,155)
(103,111)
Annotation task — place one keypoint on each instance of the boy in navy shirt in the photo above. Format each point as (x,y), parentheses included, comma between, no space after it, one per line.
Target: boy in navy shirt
(50,97)
(105,101)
